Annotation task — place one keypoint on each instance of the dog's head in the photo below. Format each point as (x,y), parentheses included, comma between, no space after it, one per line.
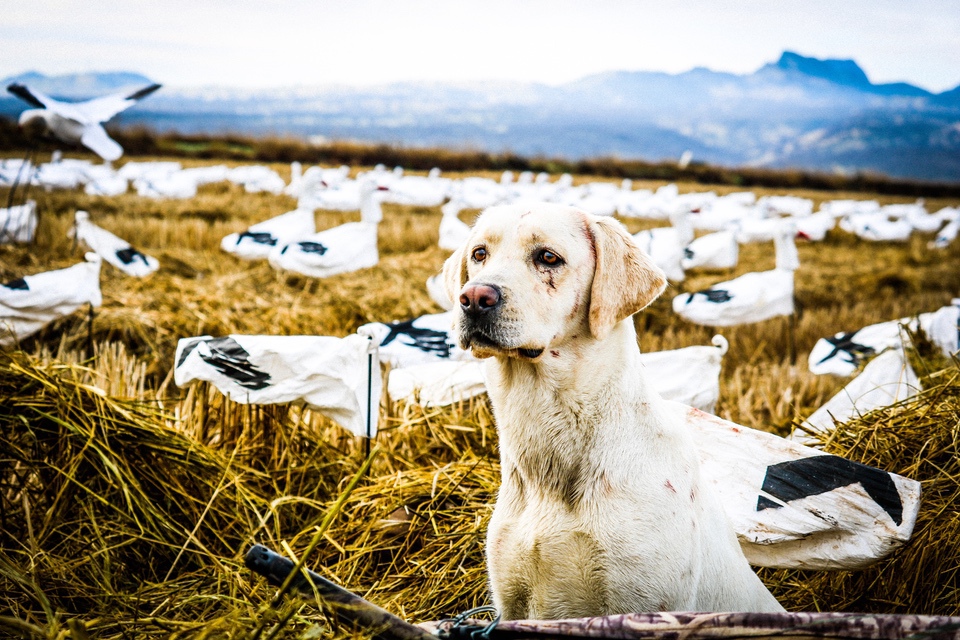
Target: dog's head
(532,277)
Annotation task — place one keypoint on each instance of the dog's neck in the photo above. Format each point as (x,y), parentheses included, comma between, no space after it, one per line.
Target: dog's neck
(573,415)
(581,366)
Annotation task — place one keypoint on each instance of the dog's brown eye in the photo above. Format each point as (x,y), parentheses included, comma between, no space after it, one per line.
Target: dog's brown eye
(549,258)
(479,254)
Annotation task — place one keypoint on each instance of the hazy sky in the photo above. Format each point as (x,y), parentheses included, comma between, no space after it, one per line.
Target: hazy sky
(302,42)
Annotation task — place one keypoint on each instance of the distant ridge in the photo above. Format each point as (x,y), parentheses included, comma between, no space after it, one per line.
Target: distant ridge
(797,112)
(845,72)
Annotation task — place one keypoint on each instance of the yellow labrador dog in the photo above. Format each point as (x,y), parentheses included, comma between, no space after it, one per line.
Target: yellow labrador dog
(601,508)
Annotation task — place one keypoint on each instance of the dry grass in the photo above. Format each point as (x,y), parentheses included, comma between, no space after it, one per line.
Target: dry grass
(126,504)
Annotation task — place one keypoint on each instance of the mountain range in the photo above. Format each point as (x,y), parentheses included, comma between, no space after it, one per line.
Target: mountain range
(798,112)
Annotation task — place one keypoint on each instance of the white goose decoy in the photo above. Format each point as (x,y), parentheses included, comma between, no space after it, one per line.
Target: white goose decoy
(453,231)
(751,297)
(948,233)
(342,249)
(886,380)
(27,304)
(338,377)
(112,249)
(79,122)
(438,292)
(260,239)
(665,245)
(842,353)
(878,227)
(428,338)
(102,180)
(18,223)
(419,191)
(718,250)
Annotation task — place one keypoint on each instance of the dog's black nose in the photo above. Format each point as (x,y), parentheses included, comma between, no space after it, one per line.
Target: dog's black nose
(477,299)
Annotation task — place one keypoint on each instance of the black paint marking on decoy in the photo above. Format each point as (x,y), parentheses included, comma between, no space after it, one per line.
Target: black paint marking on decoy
(796,479)
(426,340)
(843,342)
(130,254)
(230,359)
(312,247)
(712,295)
(260,237)
(17,284)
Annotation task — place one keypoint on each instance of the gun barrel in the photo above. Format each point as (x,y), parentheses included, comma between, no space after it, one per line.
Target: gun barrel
(347,606)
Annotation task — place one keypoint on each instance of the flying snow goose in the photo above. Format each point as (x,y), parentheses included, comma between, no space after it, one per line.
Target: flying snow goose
(751,297)
(29,303)
(79,122)
(114,250)
(260,239)
(342,249)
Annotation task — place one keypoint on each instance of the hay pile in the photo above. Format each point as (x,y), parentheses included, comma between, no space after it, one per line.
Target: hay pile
(919,439)
(126,504)
(119,521)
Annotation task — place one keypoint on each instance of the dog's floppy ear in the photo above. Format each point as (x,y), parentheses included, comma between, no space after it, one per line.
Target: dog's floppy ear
(455,273)
(625,280)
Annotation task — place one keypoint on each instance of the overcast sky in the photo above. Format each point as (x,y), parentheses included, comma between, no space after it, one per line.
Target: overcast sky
(254,43)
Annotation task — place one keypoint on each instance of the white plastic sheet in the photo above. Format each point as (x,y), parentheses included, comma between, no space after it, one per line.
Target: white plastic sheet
(690,375)
(453,231)
(844,352)
(438,292)
(437,384)
(112,249)
(342,249)
(18,223)
(886,380)
(417,341)
(338,377)
(795,507)
(665,245)
(753,297)
(260,239)
(718,250)
(27,304)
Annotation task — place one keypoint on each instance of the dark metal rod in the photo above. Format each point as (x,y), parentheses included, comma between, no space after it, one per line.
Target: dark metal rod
(348,607)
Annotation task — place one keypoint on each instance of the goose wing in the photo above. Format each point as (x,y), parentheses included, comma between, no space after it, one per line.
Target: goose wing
(102,109)
(96,139)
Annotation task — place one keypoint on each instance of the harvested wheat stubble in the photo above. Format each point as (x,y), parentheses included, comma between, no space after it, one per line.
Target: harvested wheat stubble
(116,519)
(126,505)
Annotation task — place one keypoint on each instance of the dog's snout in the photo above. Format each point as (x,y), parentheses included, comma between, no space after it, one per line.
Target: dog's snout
(477,299)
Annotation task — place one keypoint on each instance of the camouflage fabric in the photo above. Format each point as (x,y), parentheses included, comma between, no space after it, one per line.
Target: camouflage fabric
(693,626)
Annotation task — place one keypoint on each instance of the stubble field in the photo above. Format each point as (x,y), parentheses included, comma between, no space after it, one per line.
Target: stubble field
(127,503)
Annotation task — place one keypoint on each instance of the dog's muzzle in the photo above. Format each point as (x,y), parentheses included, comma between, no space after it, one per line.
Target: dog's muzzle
(479,305)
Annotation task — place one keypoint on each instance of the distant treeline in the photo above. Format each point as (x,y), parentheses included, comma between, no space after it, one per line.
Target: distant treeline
(139,141)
